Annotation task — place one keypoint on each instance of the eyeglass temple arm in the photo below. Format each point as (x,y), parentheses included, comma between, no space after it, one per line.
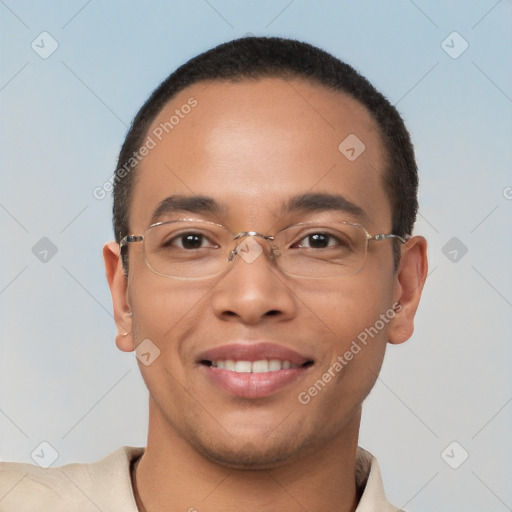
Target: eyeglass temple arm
(386,236)
(128,239)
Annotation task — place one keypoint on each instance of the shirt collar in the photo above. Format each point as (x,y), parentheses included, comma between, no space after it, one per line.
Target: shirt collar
(369,482)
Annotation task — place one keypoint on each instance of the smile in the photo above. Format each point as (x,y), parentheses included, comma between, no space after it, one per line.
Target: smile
(253,370)
(261,366)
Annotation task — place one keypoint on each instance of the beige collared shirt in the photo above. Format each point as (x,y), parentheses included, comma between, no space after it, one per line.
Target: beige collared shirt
(106,485)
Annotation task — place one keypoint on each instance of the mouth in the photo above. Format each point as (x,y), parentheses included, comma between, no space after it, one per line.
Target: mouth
(260,366)
(253,370)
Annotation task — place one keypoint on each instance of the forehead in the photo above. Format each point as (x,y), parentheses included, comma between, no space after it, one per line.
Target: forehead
(251,145)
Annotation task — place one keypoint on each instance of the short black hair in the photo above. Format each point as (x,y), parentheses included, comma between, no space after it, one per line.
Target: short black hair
(252,58)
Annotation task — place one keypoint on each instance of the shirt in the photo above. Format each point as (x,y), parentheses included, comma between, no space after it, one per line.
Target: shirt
(106,485)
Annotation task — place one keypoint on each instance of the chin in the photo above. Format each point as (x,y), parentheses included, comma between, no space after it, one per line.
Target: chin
(249,456)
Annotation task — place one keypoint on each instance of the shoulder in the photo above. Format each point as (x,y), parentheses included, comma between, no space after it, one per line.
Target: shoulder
(80,487)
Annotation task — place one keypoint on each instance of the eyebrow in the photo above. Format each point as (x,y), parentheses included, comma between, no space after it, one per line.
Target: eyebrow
(320,202)
(310,202)
(193,204)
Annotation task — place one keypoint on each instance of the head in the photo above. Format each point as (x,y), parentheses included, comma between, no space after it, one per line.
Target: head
(252,129)
(253,58)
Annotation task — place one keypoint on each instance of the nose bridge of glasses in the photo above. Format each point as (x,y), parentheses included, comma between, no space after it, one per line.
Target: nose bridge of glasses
(242,247)
(253,234)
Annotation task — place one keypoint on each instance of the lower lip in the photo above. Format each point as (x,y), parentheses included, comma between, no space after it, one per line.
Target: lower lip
(253,385)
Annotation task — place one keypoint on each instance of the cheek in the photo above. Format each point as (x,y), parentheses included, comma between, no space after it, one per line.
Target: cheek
(164,309)
(347,306)
(358,317)
(364,343)
(355,352)
(165,312)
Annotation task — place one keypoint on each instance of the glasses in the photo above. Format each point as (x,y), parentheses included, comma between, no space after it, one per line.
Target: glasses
(196,249)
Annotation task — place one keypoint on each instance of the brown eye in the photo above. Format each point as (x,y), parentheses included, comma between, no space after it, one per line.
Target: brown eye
(318,241)
(188,241)
(191,241)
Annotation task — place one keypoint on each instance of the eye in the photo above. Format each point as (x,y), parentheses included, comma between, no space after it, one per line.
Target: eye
(319,240)
(189,241)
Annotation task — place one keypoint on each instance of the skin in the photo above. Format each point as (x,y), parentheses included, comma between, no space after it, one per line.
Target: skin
(252,146)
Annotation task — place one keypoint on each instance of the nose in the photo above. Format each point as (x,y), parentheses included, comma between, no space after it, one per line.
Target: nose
(254,290)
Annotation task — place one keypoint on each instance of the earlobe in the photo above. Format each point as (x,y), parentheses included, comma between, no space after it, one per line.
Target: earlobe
(118,284)
(410,279)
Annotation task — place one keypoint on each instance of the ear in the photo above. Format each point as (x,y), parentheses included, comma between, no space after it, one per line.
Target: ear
(409,280)
(118,284)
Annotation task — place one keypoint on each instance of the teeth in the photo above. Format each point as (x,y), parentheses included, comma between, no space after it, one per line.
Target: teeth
(229,365)
(274,365)
(243,367)
(261,366)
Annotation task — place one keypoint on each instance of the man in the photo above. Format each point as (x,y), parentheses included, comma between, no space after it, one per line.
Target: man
(263,207)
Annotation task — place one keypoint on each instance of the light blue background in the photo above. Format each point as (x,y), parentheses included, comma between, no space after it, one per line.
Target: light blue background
(63,120)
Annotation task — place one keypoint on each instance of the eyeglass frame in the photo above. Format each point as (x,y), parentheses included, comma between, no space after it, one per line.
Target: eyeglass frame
(129,239)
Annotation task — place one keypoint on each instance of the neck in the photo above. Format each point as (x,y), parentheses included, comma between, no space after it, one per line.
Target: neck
(172,473)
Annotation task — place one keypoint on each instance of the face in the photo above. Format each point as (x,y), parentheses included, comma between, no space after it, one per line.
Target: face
(254,147)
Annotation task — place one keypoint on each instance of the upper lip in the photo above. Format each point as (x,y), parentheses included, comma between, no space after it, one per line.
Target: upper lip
(253,351)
